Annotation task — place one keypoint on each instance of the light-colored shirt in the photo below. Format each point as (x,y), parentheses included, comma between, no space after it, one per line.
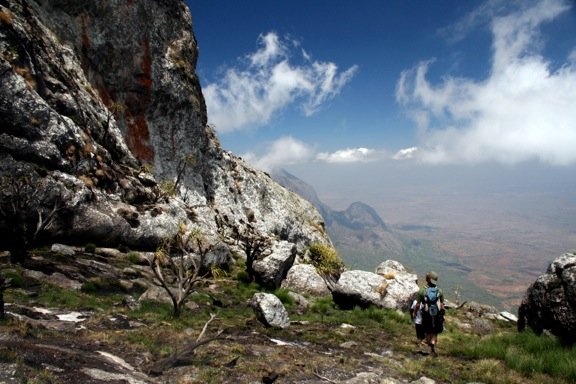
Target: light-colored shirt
(417,314)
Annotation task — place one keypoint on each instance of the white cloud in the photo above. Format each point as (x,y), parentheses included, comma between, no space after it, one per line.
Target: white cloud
(282,152)
(406,153)
(251,94)
(349,155)
(523,111)
(572,57)
(290,151)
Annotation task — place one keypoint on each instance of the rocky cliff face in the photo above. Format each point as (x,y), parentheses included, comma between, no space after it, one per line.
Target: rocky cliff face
(102,113)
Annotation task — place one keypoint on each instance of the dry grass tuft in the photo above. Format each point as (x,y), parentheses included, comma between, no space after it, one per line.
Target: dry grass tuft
(6,16)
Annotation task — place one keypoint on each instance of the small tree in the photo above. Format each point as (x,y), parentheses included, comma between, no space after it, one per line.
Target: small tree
(177,264)
(254,245)
(27,208)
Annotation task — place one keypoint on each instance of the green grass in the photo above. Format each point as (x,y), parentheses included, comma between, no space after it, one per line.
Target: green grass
(528,353)
(284,296)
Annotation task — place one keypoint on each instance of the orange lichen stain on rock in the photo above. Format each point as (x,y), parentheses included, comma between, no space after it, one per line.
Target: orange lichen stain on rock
(138,138)
(146,77)
(138,134)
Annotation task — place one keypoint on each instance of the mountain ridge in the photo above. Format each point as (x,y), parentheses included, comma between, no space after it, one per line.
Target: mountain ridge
(357,228)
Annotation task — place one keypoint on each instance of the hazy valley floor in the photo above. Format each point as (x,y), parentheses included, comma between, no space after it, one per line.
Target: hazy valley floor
(487,247)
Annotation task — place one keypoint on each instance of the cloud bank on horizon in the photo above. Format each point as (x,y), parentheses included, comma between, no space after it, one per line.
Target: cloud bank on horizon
(522,110)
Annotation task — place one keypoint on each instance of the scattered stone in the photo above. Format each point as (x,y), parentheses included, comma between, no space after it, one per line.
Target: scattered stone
(130,303)
(155,293)
(302,304)
(269,310)
(63,249)
(73,317)
(63,281)
(348,344)
(509,316)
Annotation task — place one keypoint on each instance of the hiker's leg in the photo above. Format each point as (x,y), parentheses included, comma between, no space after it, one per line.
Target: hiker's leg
(420,335)
(433,341)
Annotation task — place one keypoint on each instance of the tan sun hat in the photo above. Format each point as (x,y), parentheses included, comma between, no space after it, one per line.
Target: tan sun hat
(432,277)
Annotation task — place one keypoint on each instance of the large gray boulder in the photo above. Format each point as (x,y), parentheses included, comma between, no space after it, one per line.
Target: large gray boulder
(304,279)
(402,285)
(359,288)
(550,302)
(394,288)
(272,269)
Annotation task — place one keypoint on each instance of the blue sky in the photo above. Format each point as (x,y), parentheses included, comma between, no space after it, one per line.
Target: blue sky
(457,115)
(431,82)
(378,100)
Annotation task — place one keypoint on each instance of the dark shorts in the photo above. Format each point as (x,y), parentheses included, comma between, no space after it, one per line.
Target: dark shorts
(420,334)
(432,324)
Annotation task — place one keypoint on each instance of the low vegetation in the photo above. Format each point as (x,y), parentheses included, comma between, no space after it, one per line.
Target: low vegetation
(327,261)
(322,342)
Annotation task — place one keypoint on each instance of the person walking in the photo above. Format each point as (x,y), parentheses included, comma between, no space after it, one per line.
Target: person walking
(431,302)
(416,316)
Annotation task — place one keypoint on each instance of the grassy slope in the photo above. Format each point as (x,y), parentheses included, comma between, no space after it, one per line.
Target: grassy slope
(381,340)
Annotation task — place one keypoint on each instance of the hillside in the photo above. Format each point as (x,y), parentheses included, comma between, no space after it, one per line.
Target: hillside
(102,333)
(133,245)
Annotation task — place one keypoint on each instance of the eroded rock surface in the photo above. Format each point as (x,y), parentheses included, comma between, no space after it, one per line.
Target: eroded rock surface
(101,110)
(550,302)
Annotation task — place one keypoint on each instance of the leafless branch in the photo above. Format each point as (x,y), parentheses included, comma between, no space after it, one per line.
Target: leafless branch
(324,378)
(183,357)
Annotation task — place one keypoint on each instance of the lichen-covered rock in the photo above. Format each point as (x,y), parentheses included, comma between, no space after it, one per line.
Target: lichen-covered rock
(359,288)
(550,302)
(392,268)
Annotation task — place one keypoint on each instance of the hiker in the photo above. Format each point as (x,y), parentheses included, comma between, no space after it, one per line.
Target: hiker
(431,302)
(416,315)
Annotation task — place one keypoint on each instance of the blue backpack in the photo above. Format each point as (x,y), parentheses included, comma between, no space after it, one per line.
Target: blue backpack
(431,301)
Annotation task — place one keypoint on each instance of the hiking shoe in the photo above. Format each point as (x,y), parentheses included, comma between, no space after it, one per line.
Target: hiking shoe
(421,350)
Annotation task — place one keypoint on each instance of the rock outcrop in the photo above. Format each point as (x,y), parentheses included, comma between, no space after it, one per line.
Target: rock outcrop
(102,114)
(550,302)
(394,288)
(271,270)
